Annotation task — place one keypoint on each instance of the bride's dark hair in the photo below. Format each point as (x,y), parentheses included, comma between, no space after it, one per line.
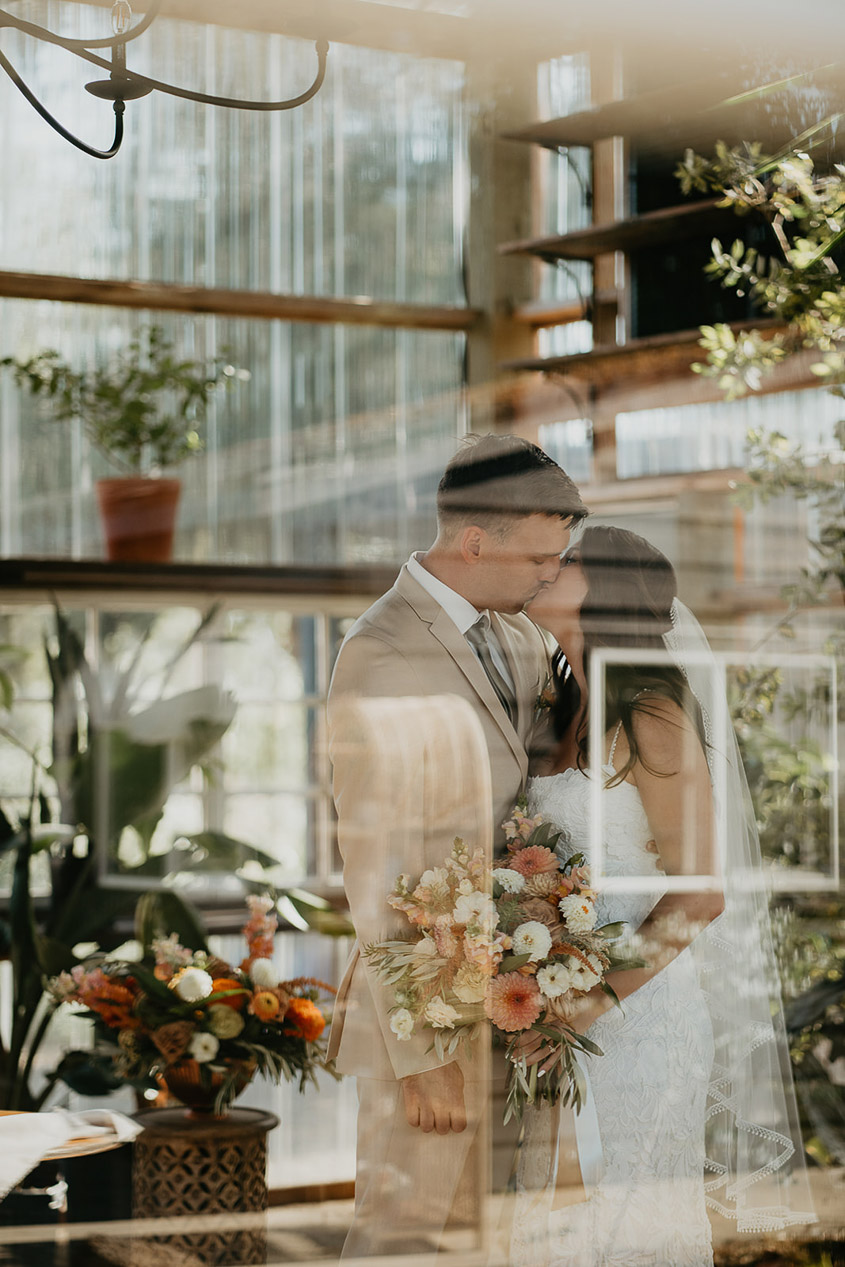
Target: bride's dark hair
(630,589)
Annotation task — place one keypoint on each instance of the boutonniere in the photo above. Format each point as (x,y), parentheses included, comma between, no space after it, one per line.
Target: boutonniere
(546,698)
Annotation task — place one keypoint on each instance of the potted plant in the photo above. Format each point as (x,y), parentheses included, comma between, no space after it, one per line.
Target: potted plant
(143,409)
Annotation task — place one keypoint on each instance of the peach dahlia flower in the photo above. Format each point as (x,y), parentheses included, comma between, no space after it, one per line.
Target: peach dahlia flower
(513,1001)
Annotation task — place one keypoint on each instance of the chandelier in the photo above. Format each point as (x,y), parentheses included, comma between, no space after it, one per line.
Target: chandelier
(125,85)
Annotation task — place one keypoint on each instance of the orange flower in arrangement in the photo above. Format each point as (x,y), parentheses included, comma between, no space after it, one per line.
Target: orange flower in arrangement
(304,1019)
(259,930)
(222,984)
(114,1002)
(210,1014)
(265,1005)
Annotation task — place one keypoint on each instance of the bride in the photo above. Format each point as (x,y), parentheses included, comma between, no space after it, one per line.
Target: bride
(690,1103)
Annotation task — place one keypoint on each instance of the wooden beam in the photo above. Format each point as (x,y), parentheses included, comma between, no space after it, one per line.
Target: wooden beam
(540,314)
(604,495)
(640,359)
(355,22)
(668,224)
(487,27)
(93,579)
(668,120)
(260,305)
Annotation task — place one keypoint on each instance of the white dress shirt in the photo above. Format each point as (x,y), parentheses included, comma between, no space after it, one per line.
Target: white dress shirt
(460,611)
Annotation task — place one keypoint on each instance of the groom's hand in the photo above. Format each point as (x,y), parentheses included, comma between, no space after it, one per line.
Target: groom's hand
(434,1100)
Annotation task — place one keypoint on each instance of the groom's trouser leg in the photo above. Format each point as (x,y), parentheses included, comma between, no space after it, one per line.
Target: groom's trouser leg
(407,1181)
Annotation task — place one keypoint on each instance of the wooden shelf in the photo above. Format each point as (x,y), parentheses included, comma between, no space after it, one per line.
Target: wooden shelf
(211,580)
(639,359)
(668,224)
(668,120)
(637,118)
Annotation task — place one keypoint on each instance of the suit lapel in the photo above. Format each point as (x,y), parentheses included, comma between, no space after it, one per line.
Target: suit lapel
(444,629)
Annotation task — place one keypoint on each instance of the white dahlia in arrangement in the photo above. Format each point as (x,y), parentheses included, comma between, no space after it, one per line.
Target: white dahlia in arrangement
(510,880)
(533,939)
(192,984)
(579,913)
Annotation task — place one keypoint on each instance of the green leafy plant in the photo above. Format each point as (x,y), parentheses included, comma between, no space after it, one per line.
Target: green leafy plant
(143,409)
(798,286)
(107,736)
(797,281)
(140,755)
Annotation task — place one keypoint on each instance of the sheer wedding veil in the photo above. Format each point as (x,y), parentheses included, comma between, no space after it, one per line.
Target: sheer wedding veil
(756,1170)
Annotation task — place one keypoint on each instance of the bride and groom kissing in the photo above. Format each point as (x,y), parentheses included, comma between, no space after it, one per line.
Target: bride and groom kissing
(465,686)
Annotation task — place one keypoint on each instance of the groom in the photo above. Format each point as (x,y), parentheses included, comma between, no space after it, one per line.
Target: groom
(452,625)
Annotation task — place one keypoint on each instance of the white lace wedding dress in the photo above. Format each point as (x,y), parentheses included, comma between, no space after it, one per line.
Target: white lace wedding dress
(641,1133)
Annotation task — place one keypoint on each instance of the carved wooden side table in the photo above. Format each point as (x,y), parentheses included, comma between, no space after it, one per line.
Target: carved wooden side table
(187,1166)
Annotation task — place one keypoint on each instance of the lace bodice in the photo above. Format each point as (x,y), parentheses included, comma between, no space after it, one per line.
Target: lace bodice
(565,799)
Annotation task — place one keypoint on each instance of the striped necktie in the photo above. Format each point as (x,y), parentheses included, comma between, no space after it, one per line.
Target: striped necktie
(477,637)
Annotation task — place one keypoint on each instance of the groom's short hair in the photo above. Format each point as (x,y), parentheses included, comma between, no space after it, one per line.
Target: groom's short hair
(494,479)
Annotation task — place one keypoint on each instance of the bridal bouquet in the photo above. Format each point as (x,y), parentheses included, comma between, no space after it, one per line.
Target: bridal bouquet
(516,945)
(193,1021)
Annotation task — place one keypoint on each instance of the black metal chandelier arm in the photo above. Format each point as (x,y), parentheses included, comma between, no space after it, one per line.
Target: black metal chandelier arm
(206,99)
(76,45)
(54,123)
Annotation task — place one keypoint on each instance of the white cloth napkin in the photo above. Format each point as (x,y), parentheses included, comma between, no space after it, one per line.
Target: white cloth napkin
(25,1138)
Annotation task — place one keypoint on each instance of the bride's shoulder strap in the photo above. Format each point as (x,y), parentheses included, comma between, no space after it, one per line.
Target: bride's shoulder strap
(613,743)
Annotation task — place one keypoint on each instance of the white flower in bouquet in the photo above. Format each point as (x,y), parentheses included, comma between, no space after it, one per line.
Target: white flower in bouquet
(465,887)
(264,975)
(192,985)
(402,1024)
(511,881)
(475,907)
(579,913)
(470,984)
(425,946)
(533,939)
(203,1047)
(440,1014)
(433,885)
(554,980)
(584,978)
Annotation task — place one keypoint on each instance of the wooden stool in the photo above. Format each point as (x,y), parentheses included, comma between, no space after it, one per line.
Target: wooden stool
(186,1166)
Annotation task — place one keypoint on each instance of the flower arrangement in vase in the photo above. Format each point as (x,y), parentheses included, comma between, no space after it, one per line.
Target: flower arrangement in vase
(201,1026)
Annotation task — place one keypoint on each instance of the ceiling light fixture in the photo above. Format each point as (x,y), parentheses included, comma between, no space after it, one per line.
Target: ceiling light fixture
(126,85)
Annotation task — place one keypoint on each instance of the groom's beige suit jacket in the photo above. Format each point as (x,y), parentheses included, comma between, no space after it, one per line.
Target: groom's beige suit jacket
(409,775)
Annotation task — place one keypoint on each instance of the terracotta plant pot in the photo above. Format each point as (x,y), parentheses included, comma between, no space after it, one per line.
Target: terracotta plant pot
(139,518)
(184,1080)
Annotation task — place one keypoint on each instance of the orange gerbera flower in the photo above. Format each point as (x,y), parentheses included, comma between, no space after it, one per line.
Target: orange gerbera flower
(513,1001)
(305,1019)
(231,1000)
